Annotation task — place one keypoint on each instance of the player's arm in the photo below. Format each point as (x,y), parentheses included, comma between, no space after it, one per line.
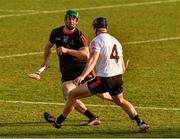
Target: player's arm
(81,54)
(44,65)
(88,68)
(47,52)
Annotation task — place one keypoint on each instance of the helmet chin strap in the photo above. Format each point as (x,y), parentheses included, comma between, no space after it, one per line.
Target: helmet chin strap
(100,30)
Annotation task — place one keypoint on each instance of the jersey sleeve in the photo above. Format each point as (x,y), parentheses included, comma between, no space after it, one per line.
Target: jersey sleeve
(82,41)
(94,46)
(120,50)
(52,37)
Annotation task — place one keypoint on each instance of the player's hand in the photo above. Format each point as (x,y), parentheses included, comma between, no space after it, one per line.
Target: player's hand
(45,64)
(61,50)
(78,80)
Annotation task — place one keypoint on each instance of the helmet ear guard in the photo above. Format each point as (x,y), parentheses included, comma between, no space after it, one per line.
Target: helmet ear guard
(99,22)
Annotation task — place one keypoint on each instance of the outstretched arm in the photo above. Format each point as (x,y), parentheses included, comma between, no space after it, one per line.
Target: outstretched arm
(88,68)
(47,52)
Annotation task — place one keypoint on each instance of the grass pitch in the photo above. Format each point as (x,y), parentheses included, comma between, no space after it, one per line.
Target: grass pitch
(150,34)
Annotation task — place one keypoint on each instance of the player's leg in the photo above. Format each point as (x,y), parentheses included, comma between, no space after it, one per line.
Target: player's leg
(67,86)
(79,92)
(126,105)
(130,110)
(105,96)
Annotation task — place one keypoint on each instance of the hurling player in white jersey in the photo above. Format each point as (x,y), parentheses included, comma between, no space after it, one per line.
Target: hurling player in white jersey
(106,54)
(110,62)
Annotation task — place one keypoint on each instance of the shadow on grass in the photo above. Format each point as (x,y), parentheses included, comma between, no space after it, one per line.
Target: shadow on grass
(43,123)
(41,129)
(61,133)
(95,133)
(86,131)
(21,124)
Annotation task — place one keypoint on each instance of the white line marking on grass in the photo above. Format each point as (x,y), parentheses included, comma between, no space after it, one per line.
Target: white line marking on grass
(20,55)
(126,43)
(23,14)
(90,105)
(17,11)
(94,8)
(149,41)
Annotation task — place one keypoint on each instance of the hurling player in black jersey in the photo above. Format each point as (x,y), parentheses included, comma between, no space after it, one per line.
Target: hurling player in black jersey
(73,52)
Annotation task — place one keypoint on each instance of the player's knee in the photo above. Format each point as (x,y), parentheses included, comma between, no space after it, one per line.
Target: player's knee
(119,101)
(70,96)
(67,87)
(101,96)
(65,94)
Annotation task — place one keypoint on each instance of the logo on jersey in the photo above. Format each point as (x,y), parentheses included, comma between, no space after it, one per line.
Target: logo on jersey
(65,39)
(93,45)
(58,39)
(71,42)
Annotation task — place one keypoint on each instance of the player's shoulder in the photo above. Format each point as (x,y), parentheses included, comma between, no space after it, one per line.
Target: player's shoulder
(57,29)
(79,32)
(101,37)
(114,39)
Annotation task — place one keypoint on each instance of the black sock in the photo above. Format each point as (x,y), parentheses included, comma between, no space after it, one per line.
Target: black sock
(138,120)
(89,114)
(60,119)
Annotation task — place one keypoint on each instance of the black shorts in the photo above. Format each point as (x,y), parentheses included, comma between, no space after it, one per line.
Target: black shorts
(113,85)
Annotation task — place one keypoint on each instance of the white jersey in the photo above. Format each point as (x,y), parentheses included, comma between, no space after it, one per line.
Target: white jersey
(110,60)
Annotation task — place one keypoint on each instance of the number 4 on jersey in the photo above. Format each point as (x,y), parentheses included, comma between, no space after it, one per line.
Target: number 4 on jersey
(114,54)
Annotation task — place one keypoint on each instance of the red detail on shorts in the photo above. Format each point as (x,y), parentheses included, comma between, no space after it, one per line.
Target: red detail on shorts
(94,84)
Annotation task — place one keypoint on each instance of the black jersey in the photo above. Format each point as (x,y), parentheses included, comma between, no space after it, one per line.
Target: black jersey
(70,67)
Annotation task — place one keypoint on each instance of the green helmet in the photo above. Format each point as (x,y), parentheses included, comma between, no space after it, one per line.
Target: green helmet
(72,12)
